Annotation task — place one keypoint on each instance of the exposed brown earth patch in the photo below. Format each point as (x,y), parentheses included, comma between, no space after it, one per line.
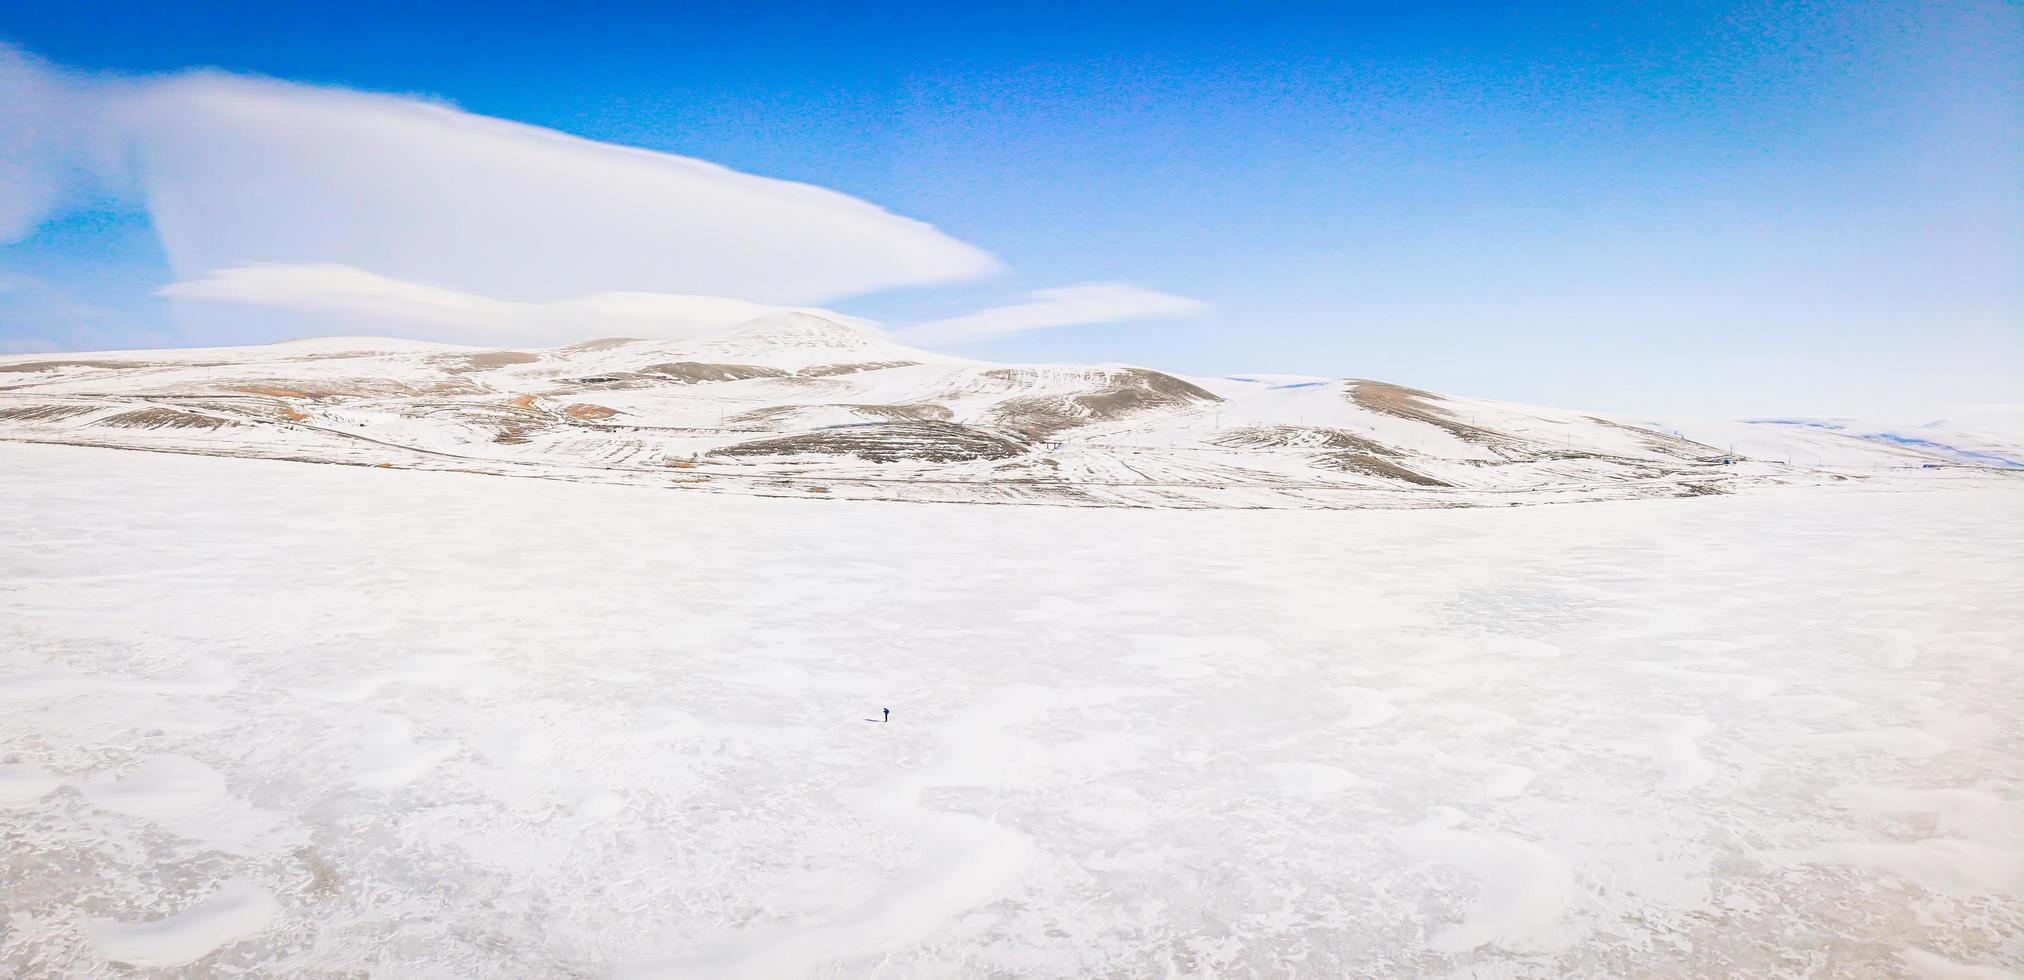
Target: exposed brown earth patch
(910,412)
(361,388)
(1038,416)
(511,423)
(936,442)
(1419,406)
(611,382)
(43,413)
(164,418)
(277,408)
(603,343)
(1133,389)
(698,372)
(586,412)
(906,412)
(490,360)
(1660,442)
(277,391)
(1118,394)
(1368,465)
(324,881)
(1301,437)
(770,415)
(831,370)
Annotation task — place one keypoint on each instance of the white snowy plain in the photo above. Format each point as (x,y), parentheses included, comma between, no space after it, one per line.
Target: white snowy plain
(275,718)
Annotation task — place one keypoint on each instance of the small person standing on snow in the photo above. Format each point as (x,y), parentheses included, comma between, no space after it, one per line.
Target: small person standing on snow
(888,716)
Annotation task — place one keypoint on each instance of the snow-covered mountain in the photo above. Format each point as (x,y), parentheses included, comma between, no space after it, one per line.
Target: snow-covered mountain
(802,403)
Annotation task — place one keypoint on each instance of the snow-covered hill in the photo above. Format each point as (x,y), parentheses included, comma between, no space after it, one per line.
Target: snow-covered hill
(800,403)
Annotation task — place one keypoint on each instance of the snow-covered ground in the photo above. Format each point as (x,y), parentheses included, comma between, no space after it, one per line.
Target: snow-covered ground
(798,403)
(275,718)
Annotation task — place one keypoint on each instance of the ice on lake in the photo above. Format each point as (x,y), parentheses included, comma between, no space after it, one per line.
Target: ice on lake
(275,718)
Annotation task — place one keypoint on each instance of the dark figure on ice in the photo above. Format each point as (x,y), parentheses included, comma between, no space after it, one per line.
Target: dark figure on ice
(888,719)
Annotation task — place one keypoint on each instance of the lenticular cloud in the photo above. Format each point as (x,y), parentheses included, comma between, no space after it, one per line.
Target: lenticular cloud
(235,170)
(338,299)
(1089,302)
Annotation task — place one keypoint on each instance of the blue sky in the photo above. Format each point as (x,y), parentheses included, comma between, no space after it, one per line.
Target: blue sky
(1694,208)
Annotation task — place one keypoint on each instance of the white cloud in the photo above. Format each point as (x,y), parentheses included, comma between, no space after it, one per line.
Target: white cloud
(235,170)
(286,209)
(337,299)
(1084,303)
(54,146)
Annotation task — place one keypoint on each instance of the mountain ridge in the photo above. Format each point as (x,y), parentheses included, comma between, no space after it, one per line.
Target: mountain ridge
(797,402)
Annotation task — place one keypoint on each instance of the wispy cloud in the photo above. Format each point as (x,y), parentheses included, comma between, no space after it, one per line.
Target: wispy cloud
(236,170)
(285,209)
(337,299)
(1065,306)
(54,143)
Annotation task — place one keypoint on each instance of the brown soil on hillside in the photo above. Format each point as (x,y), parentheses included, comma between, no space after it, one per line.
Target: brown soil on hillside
(603,343)
(1660,442)
(164,418)
(490,360)
(277,391)
(1117,394)
(43,413)
(1368,465)
(1300,437)
(360,388)
(697,372)
(829,370)
(1419,406)
(936,442)
(908,412)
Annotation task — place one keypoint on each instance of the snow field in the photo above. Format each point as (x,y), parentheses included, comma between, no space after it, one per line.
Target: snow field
(263,717)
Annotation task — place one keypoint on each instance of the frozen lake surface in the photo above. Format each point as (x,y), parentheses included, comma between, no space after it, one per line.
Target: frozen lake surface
(264,717)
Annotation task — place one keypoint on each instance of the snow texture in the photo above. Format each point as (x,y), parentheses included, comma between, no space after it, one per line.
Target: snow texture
(275,719)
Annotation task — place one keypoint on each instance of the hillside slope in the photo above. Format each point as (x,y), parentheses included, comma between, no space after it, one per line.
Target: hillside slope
(800,403)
